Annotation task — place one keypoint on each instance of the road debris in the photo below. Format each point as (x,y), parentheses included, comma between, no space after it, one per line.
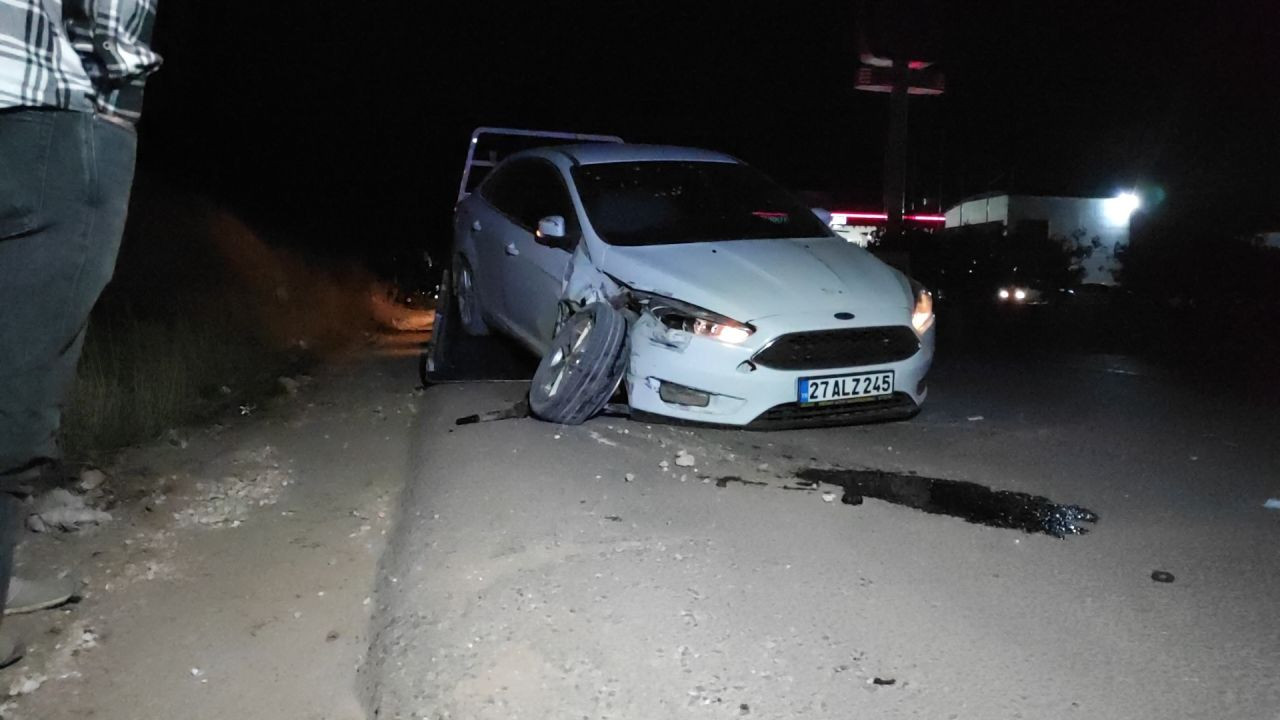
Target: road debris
(602,439)
(966,500)
(91,479)
(664,465)
(1272,504)
(59,509)
(88,640)
(975,418)
(1162,576)
(516,411)
(26,683)
(828,497)
(176,439)
(884,681)
(228,501)
(684,459)
(629,477)
(724,481)
(288,384)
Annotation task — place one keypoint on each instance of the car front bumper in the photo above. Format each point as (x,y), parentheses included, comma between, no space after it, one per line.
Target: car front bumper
(741,393)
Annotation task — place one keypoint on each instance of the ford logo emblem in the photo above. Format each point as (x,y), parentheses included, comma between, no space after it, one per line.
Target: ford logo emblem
(844,316)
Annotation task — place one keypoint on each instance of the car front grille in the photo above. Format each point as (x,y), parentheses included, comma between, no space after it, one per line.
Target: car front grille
(897,406)
(846,347)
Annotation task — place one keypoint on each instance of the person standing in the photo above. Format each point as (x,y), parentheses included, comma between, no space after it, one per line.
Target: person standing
(71,79)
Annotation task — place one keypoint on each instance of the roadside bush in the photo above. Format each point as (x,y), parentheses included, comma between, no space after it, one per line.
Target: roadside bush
(141,376)
(202,317)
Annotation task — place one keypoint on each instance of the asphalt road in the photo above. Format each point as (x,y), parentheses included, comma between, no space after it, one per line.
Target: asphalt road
(528,577)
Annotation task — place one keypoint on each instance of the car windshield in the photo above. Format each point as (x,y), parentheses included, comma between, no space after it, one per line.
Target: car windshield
(663,203)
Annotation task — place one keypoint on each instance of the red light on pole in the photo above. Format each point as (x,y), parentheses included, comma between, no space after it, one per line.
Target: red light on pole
(843,218)
(900,77)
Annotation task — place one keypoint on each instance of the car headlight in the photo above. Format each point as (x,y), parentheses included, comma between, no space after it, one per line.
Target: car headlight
(682,316)
(922,315)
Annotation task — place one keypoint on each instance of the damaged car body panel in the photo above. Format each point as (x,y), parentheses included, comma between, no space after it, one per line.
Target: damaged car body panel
(743,308)
(785,277)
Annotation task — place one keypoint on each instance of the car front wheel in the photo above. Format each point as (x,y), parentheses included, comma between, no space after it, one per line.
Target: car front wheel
(583,368)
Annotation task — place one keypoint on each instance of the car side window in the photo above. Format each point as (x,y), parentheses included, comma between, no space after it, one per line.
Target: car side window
(527,191)
(546,196)
(504,188)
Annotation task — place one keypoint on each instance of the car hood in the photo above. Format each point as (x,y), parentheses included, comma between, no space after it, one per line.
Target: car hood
(749,280)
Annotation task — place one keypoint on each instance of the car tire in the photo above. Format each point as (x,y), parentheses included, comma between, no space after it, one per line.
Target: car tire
(583,368)
(431,359)
(470,313)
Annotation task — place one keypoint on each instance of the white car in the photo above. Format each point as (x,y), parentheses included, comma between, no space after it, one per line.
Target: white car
(711,292)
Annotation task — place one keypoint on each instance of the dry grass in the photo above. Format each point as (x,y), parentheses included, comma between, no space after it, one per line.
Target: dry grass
(140,377)
(203,317)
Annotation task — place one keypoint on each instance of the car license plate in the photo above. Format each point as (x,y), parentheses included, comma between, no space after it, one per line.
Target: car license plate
(837,388)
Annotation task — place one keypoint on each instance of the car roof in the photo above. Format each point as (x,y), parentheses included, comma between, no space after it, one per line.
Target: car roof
(596,153)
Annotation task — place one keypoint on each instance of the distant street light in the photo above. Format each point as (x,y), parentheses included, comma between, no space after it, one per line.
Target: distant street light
(1119,209)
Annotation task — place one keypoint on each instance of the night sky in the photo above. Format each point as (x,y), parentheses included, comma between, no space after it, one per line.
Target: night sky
(343,125)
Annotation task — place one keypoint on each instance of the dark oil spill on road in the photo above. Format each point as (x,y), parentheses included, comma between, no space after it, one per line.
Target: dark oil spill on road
(968,501)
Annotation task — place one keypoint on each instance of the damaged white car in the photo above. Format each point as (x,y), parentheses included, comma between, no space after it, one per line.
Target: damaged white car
(691,281)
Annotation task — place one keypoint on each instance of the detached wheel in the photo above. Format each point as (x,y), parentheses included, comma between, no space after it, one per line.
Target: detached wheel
(583,368)
(468,300)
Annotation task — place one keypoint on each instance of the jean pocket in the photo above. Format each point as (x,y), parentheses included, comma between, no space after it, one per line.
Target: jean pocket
(25,137)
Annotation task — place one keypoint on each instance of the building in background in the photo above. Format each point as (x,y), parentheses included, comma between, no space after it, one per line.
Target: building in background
(1098,226)
(1268,239)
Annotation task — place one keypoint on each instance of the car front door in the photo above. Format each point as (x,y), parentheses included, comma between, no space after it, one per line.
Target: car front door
(533,271)
(490,223)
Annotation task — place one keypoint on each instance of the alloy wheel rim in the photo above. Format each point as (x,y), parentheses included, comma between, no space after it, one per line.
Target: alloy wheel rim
(560,360)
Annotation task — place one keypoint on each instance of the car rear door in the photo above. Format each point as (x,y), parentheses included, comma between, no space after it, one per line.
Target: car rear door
(534,272)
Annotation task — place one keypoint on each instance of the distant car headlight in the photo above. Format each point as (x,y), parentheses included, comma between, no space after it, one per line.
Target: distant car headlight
(1016,294)
(922,315)
(678,315)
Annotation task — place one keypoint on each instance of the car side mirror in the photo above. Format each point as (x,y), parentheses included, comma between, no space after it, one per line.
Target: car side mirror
(551,232)
(823,215)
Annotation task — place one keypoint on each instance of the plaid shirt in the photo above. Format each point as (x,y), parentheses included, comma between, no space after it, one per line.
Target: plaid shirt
(84,55)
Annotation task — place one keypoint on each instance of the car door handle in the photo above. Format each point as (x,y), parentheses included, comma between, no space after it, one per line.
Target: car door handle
(475,225)
(512,249)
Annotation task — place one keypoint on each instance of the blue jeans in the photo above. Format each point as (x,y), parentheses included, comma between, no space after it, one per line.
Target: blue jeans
(64,192)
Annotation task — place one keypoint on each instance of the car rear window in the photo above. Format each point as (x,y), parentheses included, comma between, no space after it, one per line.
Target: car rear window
(668,202)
